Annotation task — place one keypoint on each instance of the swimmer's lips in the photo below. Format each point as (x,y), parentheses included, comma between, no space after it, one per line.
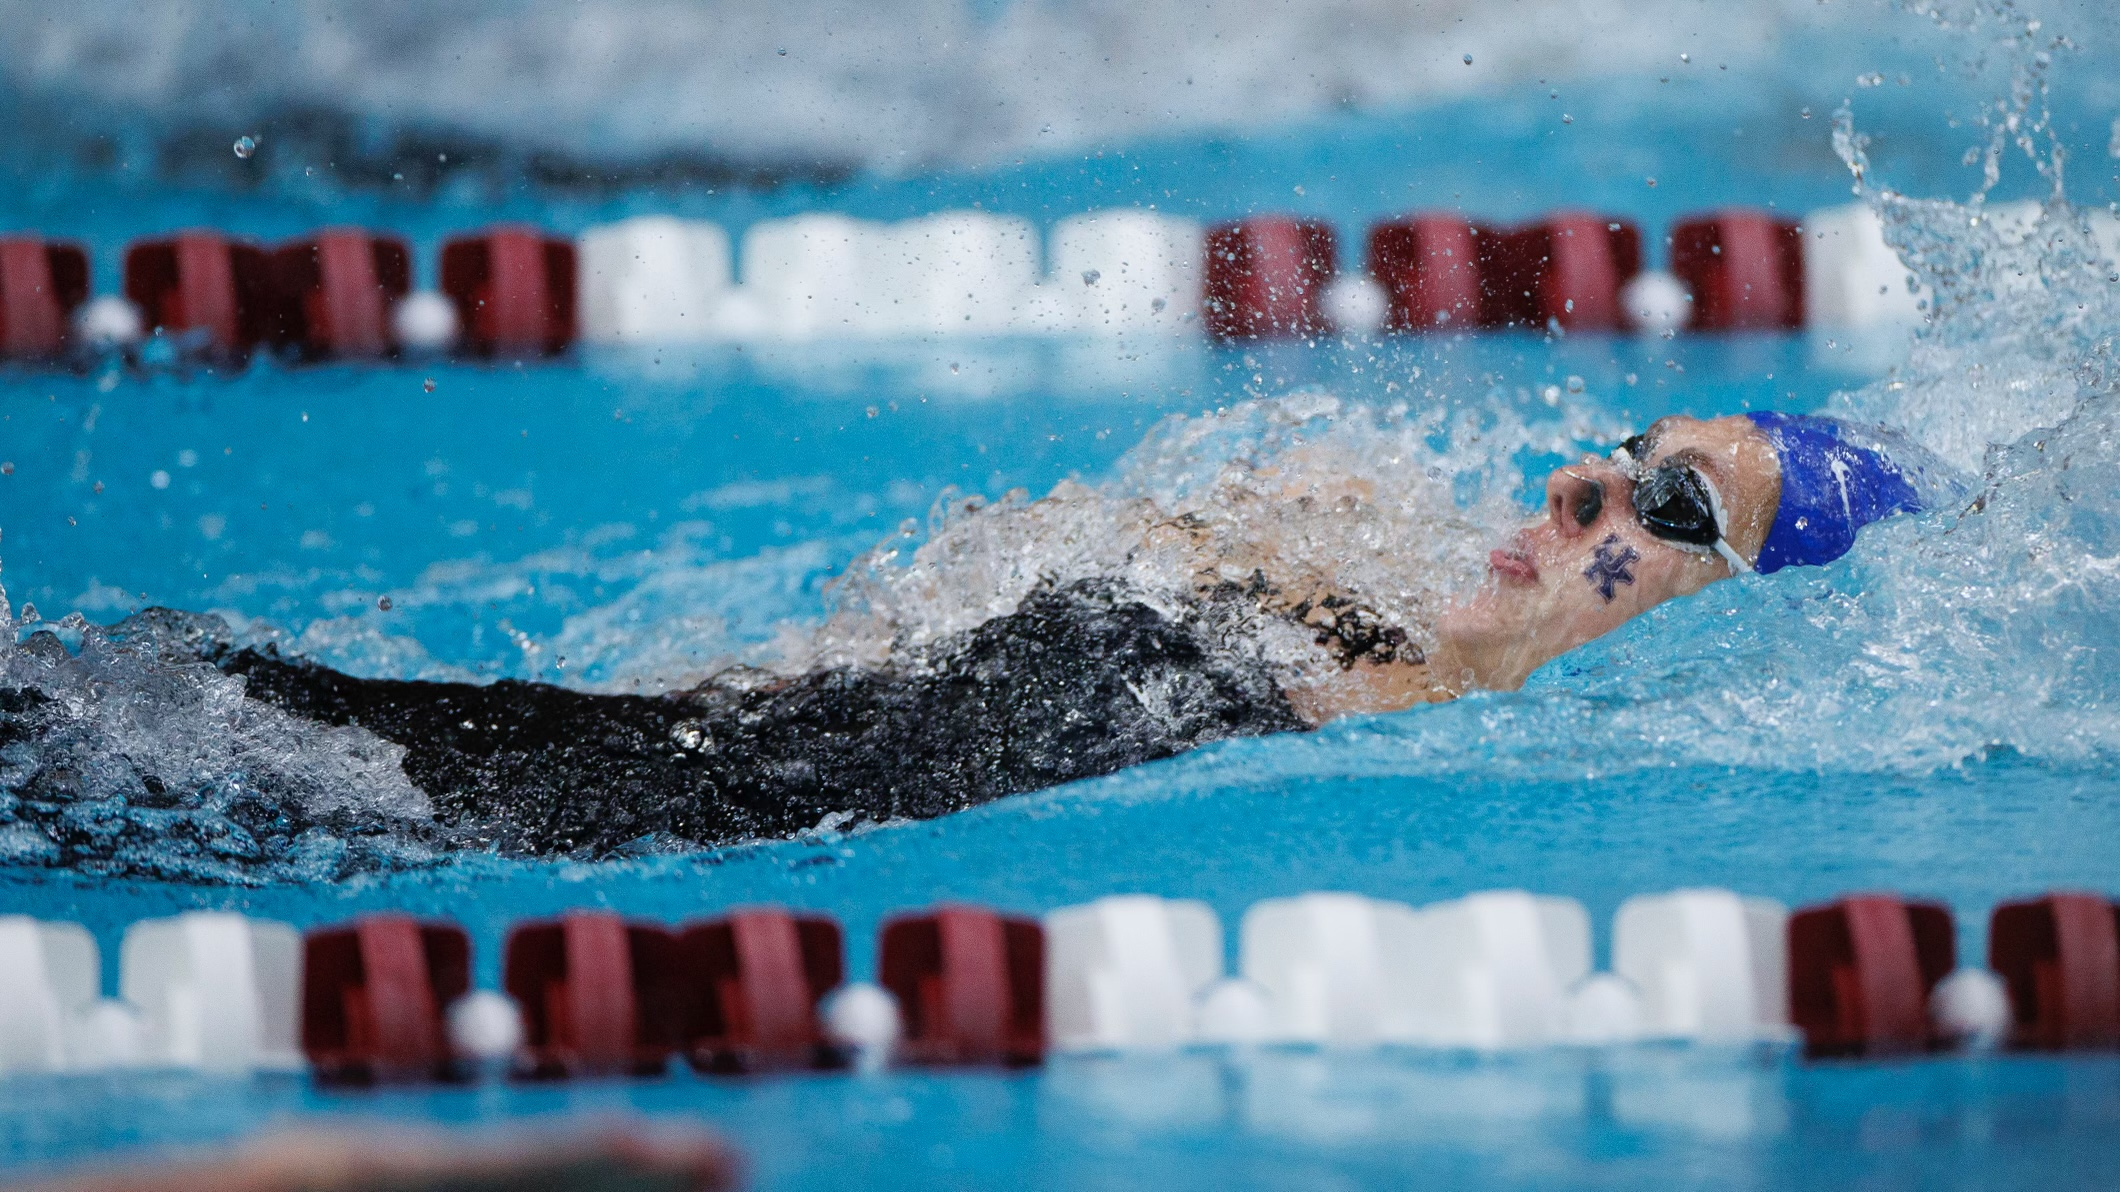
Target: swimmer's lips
(1514,564)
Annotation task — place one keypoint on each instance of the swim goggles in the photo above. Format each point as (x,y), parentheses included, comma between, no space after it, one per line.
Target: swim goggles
(1675,503)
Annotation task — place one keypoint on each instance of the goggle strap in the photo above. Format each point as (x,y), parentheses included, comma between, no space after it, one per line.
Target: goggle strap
(1722,544)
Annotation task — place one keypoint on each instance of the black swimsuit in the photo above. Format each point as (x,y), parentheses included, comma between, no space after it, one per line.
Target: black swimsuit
(1077,682)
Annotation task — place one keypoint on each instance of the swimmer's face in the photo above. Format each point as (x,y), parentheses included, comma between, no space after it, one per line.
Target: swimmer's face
(1588,564)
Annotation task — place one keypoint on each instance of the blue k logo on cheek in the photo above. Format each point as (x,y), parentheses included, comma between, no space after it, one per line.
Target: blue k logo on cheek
(1608,567)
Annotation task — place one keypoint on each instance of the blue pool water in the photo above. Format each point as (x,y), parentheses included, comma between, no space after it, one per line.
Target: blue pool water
(1936,715)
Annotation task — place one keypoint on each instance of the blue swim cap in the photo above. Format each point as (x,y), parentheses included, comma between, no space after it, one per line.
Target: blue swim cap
(1830,488)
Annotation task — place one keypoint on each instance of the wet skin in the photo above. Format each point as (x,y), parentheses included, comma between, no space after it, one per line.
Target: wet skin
(1588,566)
(1585,567)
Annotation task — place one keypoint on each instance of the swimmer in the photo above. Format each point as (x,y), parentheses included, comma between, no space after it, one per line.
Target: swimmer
(1088,677)
(1685,503)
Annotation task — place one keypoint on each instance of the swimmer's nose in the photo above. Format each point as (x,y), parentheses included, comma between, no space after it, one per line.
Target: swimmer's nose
(1574,501)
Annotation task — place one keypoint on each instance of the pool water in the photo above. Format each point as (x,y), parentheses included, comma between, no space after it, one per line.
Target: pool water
(1935,715)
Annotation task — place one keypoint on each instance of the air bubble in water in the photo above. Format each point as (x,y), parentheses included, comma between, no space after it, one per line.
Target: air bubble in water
(245,146)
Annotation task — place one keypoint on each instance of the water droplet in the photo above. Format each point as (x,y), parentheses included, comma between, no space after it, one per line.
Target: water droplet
(1567,119)
(1575,384)
(1650,181)
(7,468)
(428,384)
(1468,59)
(1090,276)
(1685,57)
(245,146)
(783,51)
(1806,113)
(953,366)
(383,602)
(1156,305)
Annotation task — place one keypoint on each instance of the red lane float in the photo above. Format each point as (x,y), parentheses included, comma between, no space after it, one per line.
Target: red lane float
(373,996)
(1429,268)
(1265,275)
(2059,956)
(336,290)
(1744,269)
(756,977)
(203,284)
(514,290)
(41,282)
(970,983)
(597,994)
(1861,971)
(1568,269)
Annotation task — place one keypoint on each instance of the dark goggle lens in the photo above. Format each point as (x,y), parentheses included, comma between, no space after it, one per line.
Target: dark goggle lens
(1672,503)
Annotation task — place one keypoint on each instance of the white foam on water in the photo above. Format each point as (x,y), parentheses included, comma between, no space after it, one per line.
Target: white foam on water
(138,758)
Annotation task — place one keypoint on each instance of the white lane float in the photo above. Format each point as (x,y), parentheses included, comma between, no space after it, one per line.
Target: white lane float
(824,276)
(216,991)
(1496,969)
(1710,965)
(50,974)
(1124,972)
(803,275)
(1336,969)
(653,279)
(1852,278)
(1124,271)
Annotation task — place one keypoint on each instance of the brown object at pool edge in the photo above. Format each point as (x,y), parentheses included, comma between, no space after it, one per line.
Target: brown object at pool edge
(630,1157)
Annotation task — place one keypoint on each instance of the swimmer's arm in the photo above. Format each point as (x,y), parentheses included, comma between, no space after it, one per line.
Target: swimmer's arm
(1365,664)
(1367,688)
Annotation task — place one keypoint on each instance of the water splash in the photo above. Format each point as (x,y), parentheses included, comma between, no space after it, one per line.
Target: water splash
(122,753)
(2021,304)
(1393,507)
